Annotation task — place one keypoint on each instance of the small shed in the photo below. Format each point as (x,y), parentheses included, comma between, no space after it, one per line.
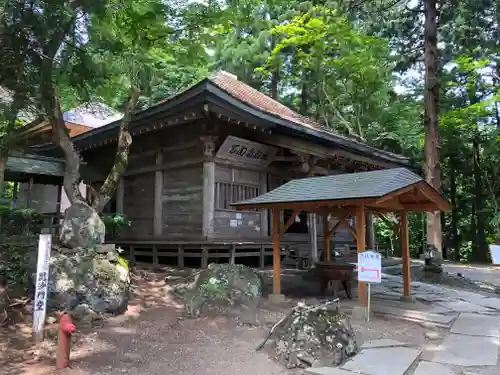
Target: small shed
(396,190)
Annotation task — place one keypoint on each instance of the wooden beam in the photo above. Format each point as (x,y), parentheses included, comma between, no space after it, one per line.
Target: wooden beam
(405,248)
(310,206)
(361,246)
(427,191)
(276,251)
(326,237)
(289,222)
(394,194)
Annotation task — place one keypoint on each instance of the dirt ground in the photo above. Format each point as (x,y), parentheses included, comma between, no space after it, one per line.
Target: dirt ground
(154,338)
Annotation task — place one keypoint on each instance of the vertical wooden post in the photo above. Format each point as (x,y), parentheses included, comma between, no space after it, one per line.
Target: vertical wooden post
(313,238)
(361,246)
(158,194)
(276,251)
(120,191)
(204,258)
(208,186)
(29,197)
(370,231)
(15,194)
(262,259)
(405,248)
(180,256)
(156,260)
(264,226)
(232,254)
(327,251)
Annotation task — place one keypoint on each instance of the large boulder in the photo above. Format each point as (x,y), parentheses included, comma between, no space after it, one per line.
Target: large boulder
(91,280)
(316,335)
(82,227)
(221,287)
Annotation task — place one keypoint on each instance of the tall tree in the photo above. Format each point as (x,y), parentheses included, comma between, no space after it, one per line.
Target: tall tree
(432,162)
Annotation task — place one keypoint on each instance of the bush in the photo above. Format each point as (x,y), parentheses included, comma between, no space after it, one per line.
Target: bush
(18,262)
(115,223)
(23,221)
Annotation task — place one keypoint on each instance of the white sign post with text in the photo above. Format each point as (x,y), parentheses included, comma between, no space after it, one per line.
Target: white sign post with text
(369,271)
(495,254)
(42,278)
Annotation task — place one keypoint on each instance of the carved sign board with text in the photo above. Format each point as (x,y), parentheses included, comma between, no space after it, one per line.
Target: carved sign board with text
(247,152)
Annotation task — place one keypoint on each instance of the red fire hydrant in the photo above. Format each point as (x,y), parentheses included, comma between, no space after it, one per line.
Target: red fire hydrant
(66,329)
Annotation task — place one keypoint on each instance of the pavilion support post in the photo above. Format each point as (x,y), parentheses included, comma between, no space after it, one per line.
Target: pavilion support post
(405,248)
(370,231)
(313,238)
(276,251)
(361,246)
(326,237)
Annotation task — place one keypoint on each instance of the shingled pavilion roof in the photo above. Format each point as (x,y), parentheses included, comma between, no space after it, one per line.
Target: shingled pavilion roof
(395,189)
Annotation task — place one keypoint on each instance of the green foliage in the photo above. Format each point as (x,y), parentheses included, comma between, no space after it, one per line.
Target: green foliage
(17,259)
(20,221)
(115,223)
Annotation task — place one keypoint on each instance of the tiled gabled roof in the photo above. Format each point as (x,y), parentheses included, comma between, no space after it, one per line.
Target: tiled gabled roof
(255,98)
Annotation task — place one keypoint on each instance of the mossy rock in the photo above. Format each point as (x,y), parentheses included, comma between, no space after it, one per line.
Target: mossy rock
(223,286)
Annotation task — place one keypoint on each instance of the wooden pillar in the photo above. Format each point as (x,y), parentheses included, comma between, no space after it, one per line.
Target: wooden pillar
(15,194)
(370,231)
(120,191)
(313,238)
(208,186)
(276,251)
(29,196)
(327,251)
(158,195)
(405,249)
(264,226)
(361,246)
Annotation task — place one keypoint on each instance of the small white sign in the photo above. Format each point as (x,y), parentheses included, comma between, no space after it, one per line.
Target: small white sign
(42,278)
(495,254)
(370,267)
(239,216)
(233,223)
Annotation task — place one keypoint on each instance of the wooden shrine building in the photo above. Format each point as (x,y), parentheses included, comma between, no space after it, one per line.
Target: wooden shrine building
(396,190)
(216,143)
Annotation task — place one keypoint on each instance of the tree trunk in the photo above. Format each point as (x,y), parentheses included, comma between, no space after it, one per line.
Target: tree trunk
(120,164)
(479,246)
(455,241)
(432,166)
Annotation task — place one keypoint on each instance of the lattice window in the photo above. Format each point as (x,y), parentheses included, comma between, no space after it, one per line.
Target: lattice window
(227,193)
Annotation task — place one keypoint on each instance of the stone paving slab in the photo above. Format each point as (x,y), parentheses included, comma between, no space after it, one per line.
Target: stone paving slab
(381,343)
(462,350)
(430,368)
(493,303)
(382,361)
(327,371)
(414,315)
(477,325)
(490,370)
(464,307)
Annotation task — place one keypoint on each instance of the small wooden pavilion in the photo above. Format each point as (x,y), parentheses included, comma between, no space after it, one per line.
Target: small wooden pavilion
(396,190)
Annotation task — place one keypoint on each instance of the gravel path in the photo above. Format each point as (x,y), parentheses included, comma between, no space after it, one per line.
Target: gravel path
(158,344)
